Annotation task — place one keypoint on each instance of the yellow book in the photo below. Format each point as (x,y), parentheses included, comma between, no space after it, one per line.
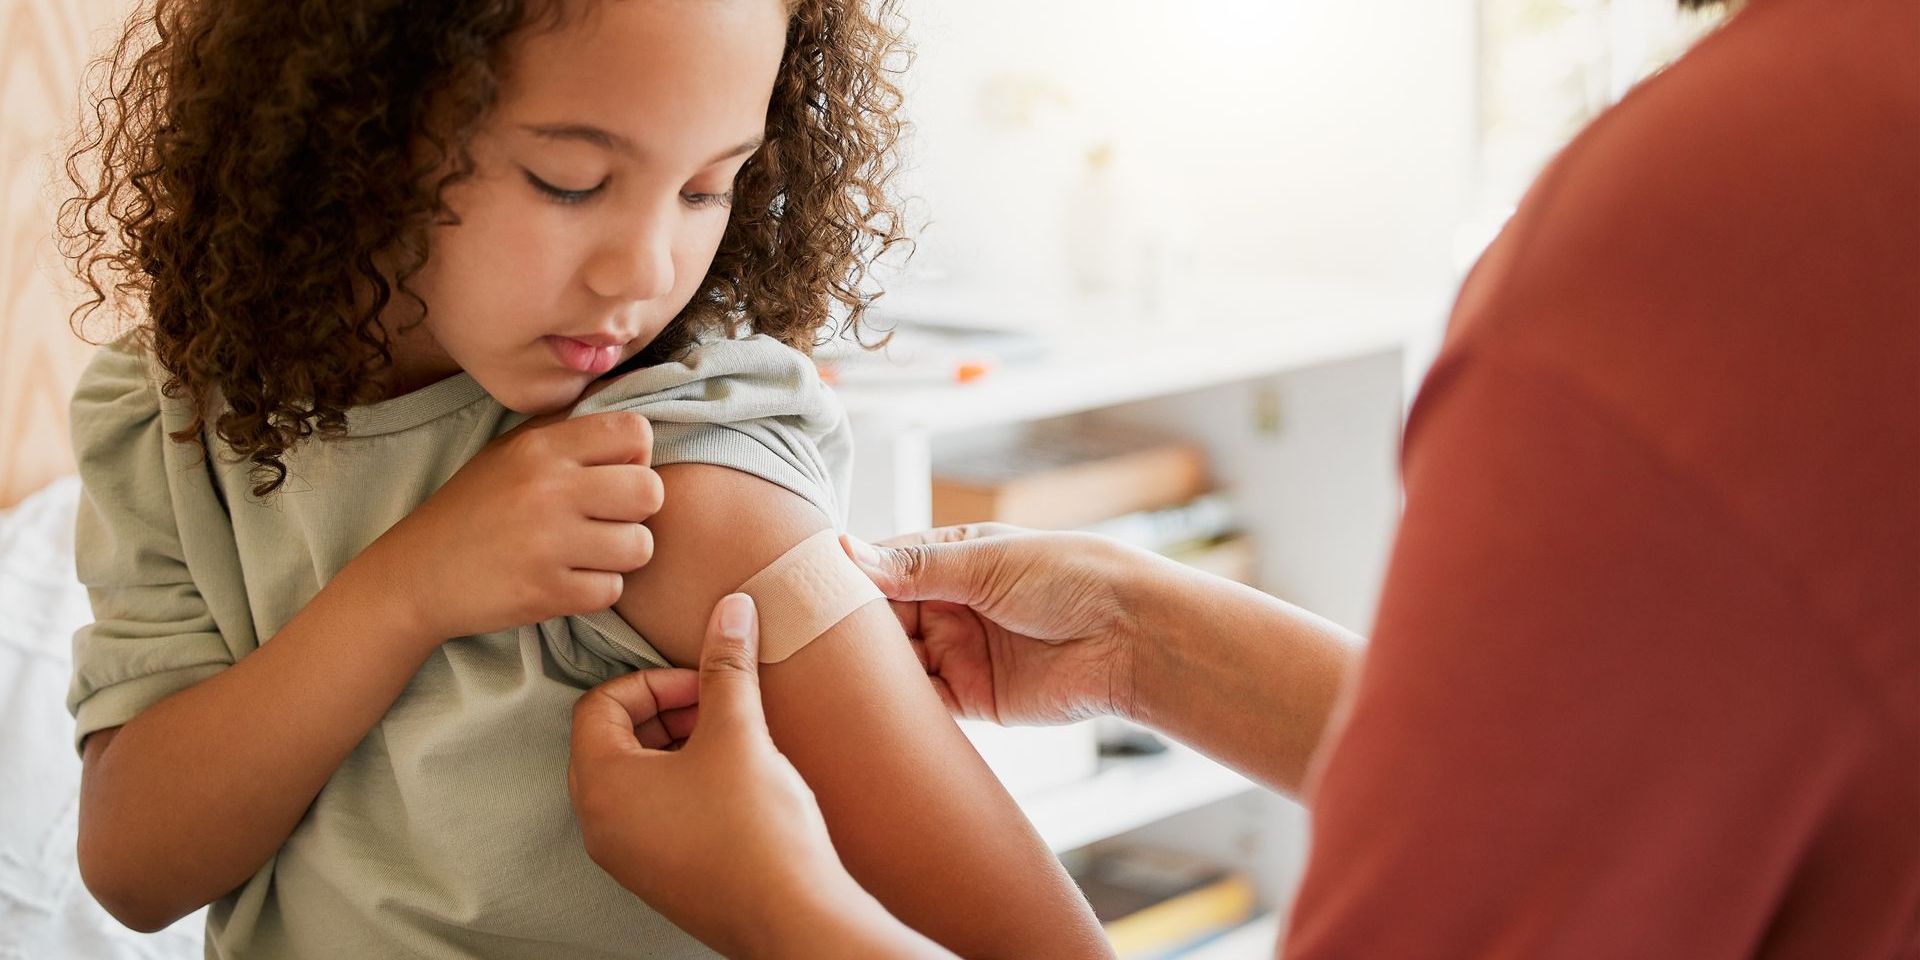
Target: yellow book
(1152,901)
(1216,907)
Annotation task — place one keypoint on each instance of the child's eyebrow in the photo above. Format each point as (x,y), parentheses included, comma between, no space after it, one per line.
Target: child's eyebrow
(608,140)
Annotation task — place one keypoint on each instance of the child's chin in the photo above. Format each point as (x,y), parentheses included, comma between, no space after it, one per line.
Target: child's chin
(535,399)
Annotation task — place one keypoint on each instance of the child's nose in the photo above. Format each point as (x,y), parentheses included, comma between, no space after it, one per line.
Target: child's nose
(636,265)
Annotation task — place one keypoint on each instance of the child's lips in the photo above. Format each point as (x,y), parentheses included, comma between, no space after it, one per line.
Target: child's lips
(583,357)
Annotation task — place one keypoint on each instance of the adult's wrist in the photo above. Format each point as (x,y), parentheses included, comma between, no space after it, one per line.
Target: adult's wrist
(1158,597)
(1240,674)
(1146,590)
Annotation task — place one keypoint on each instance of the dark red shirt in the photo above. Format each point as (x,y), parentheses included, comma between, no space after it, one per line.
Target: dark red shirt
(1645,680)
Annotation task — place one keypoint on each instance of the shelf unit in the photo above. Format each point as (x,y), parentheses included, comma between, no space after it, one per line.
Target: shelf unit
(1127,794)
(1296,392)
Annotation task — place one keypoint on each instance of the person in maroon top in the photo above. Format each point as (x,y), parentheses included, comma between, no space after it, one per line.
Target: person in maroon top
(1645,679)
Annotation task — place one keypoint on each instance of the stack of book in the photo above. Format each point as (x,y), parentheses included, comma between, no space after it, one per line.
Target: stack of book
(1159,904)
(1151,492)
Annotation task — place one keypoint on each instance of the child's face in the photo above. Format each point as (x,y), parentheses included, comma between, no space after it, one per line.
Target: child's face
(599,194)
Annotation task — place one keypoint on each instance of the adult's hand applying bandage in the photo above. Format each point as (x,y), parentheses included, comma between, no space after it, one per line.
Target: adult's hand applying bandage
(683,798)
(1018,626)
(1024,627)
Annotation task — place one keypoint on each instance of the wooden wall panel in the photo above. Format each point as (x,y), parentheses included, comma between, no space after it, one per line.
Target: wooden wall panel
(44,49)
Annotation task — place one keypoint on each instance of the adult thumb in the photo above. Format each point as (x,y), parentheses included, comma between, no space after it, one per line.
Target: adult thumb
(730,669)
(916,571)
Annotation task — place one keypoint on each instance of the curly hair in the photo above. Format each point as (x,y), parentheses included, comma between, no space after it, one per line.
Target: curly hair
(256,180)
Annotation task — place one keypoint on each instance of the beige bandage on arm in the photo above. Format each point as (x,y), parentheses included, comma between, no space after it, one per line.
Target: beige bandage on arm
(804,593)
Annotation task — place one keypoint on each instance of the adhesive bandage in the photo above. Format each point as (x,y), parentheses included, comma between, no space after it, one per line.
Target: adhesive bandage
(804,593)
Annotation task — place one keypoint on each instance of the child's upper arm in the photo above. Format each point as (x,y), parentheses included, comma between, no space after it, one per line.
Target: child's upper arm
(917,817)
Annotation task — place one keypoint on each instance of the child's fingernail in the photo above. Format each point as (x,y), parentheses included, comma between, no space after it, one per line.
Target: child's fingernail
(736,616)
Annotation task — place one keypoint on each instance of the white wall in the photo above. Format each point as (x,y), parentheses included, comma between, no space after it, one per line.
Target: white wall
(1328,140)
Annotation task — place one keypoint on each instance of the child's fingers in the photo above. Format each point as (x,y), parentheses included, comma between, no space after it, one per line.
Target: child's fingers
(602,438)
(534,423)
(610,545)
(621,491)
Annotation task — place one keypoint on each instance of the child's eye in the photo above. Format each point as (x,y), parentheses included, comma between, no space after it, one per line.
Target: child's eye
(560,194)
(708,199)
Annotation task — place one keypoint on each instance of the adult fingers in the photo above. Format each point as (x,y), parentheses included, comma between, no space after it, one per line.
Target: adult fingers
(908,613)
(953,534)
(951,571)
(680,723)
(607,718)
(601,728)
(730,671)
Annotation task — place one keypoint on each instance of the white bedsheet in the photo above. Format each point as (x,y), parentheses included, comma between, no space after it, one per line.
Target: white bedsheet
(45,912)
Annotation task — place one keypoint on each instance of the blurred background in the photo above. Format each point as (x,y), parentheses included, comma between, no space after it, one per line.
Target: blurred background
(1180,268)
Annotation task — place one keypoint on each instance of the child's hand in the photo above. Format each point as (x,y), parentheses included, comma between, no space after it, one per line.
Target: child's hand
(542,523)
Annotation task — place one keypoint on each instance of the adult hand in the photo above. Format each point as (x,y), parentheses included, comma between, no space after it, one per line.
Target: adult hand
(743,851)
(1017,626)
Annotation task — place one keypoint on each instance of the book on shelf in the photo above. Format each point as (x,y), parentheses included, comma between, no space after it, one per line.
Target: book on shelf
(1065,477)
(1252,940)
(1142,490)
(1231,556)
(1205,518)
(1156,903)
(1203,532)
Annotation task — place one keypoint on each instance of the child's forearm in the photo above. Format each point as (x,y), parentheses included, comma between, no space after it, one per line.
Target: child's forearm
(185,802)
(850,925)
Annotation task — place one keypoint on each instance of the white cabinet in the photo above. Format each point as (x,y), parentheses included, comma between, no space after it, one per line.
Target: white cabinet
(1299,406)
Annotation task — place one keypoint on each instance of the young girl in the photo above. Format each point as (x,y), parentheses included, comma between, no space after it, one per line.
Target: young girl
(346,593)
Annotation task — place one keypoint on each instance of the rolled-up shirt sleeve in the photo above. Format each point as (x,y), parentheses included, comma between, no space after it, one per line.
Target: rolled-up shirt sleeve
(153,633)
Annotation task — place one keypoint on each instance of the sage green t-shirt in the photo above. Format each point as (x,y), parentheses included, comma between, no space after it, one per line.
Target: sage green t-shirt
(447,832)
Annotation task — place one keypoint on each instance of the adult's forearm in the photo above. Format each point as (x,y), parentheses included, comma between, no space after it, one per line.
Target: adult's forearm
(1243,676)
(186,801)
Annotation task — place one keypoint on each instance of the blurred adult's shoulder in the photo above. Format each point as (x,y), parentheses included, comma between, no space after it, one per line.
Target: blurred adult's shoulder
(1775,160)
(1727,265)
